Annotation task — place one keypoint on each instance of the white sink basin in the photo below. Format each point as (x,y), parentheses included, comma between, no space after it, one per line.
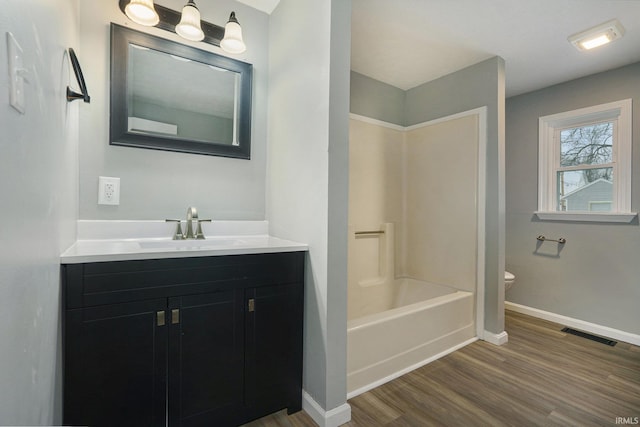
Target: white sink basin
(193,244)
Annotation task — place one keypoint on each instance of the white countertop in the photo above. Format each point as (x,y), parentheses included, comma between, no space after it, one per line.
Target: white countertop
(90,249)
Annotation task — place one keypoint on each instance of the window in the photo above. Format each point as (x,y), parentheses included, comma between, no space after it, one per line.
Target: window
(584,165)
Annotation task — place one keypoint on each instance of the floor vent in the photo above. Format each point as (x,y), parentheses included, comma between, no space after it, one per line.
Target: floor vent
(589,336)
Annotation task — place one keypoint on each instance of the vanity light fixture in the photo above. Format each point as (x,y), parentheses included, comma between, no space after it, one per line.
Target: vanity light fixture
(598,35)
(187,24)
(232,41)
(142,12)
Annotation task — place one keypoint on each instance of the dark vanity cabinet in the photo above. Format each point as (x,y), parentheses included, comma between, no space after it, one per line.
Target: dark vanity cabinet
(204,341)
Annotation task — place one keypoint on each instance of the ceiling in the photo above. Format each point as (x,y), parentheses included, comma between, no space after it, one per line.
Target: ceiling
(409,42)
(263,5)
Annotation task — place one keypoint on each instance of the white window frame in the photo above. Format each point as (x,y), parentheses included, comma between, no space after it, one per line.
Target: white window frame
(619,112)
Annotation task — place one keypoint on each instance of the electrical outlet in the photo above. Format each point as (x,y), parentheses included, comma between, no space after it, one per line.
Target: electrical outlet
(108,190)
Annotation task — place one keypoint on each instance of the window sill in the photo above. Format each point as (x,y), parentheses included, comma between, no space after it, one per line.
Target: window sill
(626,217)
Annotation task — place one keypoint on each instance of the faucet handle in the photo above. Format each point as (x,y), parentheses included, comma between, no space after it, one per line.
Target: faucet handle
(199,233)
(178,235)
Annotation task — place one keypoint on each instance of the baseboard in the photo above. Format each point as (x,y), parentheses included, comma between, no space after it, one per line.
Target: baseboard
(593,328)
(332,418)
(496,339)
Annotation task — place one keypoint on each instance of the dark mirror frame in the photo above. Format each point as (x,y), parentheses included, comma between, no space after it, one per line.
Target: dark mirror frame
(121,37)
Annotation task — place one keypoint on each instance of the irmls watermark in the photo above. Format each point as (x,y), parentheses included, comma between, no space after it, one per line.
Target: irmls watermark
(628,420)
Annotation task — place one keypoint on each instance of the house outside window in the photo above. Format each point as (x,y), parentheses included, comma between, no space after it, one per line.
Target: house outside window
(584,165)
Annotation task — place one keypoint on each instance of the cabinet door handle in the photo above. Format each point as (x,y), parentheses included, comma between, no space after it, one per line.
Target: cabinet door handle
(252,305)
(175,316)
(160,318)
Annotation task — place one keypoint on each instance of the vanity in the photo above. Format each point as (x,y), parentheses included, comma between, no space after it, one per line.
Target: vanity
(159,332)
(193,332)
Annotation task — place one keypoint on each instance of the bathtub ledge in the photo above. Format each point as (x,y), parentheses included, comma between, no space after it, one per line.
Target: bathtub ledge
(394,313)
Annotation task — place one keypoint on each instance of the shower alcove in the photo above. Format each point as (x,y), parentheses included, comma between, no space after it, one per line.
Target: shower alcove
(416,236)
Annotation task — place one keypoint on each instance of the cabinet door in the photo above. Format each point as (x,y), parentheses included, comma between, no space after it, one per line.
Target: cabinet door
(206,354)
(274,348)
(115,365)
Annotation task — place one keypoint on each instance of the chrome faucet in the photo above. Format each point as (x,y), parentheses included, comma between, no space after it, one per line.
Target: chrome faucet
(192,215)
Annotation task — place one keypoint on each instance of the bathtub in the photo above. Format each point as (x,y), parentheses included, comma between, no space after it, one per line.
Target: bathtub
(426,321)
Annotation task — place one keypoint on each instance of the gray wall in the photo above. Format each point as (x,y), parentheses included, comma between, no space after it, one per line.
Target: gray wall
(377,100)
(38,189)
(479,85)
(338,203)
(308,173)
(221,188)
(595,276)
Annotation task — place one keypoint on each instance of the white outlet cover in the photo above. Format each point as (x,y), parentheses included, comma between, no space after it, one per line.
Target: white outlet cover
(108,190)
(16,74)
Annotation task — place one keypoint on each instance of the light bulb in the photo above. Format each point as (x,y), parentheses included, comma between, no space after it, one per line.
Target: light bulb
(595,42)
(189,26)
(142,12)
(232,41)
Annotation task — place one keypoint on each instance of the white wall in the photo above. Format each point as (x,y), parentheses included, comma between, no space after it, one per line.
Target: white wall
(38,189)
(594,277)
(307,188)
(162,184)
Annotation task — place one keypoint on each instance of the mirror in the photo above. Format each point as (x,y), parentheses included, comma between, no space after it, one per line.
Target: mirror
(170,96)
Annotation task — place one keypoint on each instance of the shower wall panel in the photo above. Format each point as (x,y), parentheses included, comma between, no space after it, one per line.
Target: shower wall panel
(375,198)
(441,202)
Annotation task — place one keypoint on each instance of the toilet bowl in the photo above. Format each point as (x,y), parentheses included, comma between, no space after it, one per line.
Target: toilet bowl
(508,280)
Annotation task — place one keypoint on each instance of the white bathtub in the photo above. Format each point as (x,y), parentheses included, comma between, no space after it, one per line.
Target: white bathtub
(426,322)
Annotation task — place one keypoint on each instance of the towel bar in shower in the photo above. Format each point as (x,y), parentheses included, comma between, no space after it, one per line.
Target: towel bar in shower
(561,240)
(368,233)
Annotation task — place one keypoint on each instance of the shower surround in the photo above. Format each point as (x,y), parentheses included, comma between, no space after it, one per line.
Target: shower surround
(414,257)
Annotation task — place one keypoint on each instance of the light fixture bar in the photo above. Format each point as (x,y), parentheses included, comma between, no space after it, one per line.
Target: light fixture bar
(597,36)
(169,18)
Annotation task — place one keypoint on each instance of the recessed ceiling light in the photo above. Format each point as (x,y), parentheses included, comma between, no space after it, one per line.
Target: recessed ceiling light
(598,35)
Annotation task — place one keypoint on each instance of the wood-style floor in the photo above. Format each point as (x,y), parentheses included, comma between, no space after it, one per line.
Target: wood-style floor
(541,377)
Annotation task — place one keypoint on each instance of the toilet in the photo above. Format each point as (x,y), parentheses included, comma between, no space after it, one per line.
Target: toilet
(508,280)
